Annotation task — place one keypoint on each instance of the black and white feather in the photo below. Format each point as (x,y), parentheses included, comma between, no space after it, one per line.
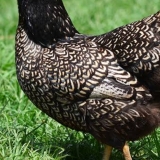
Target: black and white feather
(94,84)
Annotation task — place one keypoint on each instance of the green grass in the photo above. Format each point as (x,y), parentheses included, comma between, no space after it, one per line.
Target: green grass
(25,132)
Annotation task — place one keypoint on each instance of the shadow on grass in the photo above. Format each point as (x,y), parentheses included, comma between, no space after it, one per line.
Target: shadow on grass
(72,145)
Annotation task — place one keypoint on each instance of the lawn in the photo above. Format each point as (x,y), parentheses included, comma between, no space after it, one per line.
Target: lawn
(25,132)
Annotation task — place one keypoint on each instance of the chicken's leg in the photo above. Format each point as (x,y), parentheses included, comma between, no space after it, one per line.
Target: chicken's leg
(107,152)
(126,152)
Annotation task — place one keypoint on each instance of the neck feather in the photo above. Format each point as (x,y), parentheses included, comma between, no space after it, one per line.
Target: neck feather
(46,21)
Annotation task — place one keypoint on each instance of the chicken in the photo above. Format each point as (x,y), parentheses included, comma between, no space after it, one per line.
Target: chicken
(79,80)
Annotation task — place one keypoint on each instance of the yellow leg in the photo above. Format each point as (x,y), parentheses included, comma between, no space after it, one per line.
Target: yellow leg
(107,152)
(126,152)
